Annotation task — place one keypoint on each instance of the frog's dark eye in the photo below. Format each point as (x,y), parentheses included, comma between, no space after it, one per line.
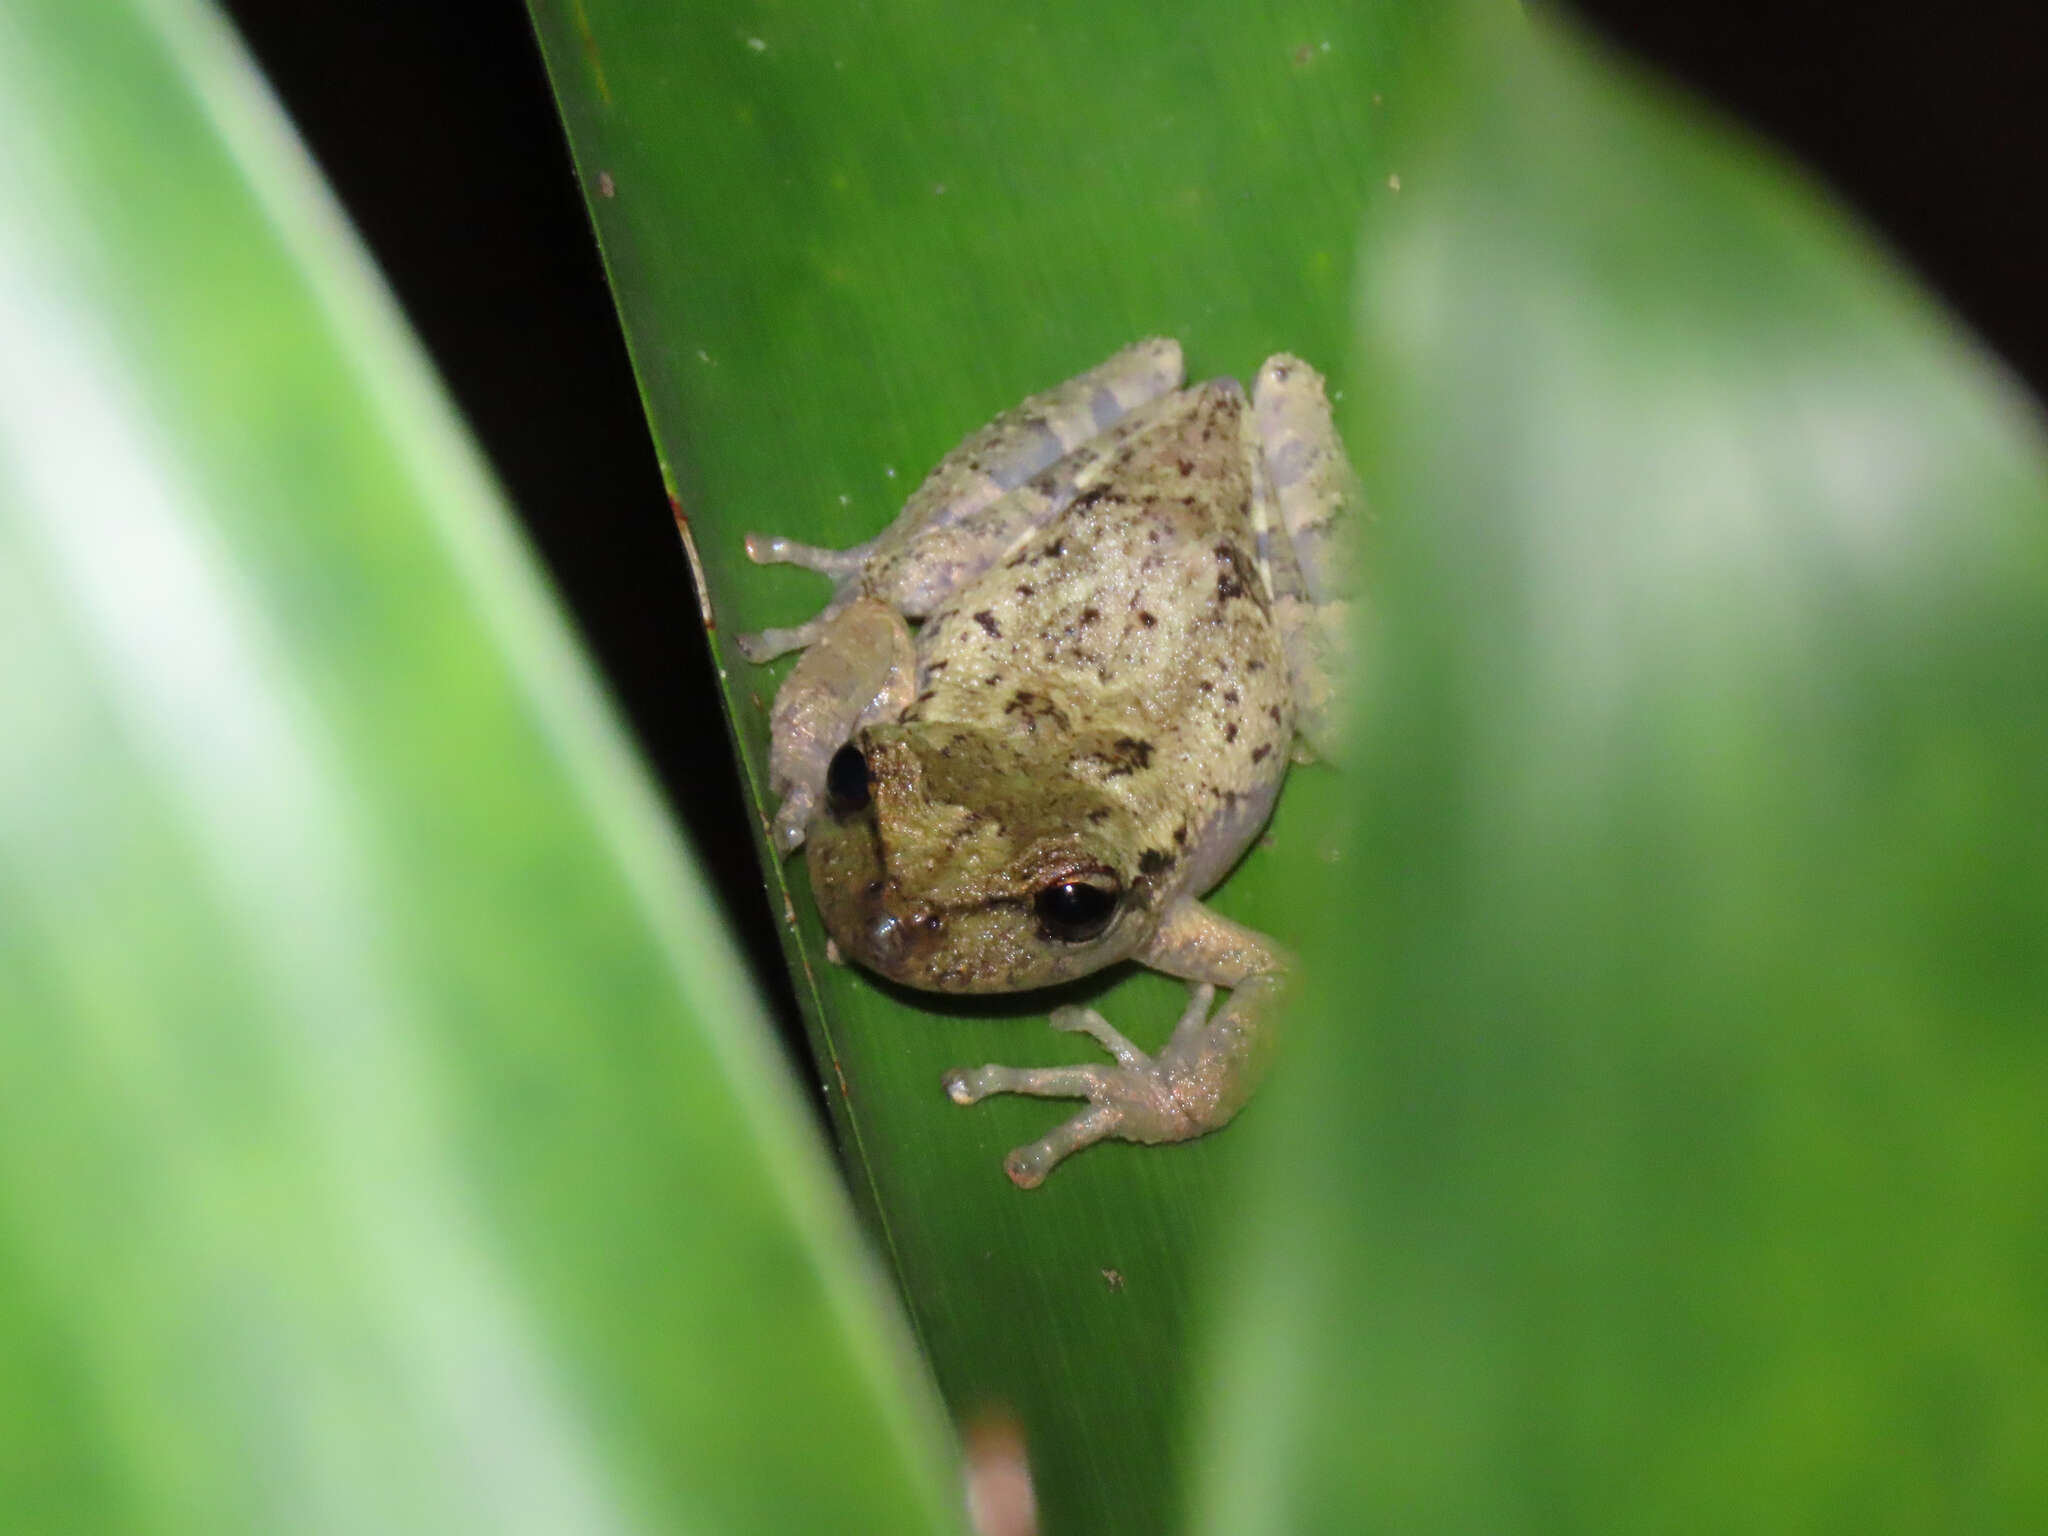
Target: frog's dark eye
(1075,911)
(846,781)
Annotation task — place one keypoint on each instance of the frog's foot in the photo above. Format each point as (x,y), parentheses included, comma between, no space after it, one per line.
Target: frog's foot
(842,565)
(1177,1095)
(764,645)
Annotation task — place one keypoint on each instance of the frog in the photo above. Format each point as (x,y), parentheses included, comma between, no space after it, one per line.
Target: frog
(1051,705)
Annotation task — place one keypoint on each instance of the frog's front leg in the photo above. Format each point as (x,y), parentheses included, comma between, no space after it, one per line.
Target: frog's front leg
(863,669)
(1194,1085)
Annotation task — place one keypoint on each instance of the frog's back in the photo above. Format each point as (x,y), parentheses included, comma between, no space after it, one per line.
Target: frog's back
(1133,637)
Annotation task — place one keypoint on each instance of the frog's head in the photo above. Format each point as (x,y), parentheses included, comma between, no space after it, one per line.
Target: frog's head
(956,860)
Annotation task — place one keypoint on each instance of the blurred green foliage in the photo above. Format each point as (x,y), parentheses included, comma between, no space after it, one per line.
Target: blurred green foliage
(390,1140)
(1664,1147)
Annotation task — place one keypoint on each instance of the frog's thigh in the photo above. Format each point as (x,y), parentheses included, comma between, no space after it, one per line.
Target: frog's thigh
(1311,504)
(862,668)
(917,576)
(1029,437)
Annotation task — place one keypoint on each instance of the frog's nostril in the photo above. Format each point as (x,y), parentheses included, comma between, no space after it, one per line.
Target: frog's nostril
(888,940)
(894,938)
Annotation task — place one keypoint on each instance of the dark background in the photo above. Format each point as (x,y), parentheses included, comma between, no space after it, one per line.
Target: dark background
(434,124)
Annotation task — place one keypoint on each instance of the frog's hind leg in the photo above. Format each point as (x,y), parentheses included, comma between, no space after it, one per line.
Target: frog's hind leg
(1310,507)
(917,578)
(1018,445)
(1030,437)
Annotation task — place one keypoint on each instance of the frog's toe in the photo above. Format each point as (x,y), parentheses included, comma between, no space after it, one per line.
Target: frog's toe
(1028,1166)
(764,645)
(970,1085)
(774,549)
(1087,1021)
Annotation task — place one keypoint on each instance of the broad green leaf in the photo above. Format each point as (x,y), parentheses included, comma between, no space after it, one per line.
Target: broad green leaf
(841,237)
(390,1142)
(1664,1149)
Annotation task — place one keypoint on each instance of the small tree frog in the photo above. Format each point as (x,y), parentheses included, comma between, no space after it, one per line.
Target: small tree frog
(1129,599)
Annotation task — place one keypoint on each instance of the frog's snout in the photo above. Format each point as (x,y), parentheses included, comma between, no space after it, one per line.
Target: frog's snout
(887,939)
(890,938)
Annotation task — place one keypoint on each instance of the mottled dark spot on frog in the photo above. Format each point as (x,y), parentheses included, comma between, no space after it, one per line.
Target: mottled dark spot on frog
(1025,591)
(1154,860)
(1146,619)
(1259,754)
(1185,466)
(1230,731)
(1126,755)
(1180,835)
(1273,713)
(987,621)
(1031,708)
(1089,615)
(1099,815)
(1230,695)
(1234,578)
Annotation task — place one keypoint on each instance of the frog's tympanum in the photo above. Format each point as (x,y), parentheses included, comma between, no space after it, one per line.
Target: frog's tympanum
(1128,598)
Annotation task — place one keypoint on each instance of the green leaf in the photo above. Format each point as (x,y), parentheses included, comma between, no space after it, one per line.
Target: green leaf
(1664,1146)
(841,238)
(391,1142)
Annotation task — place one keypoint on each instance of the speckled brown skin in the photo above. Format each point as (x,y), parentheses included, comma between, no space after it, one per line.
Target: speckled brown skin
(1103,695)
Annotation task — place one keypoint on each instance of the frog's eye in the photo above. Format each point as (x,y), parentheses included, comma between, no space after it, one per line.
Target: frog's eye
(1077,910)
(846,781)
